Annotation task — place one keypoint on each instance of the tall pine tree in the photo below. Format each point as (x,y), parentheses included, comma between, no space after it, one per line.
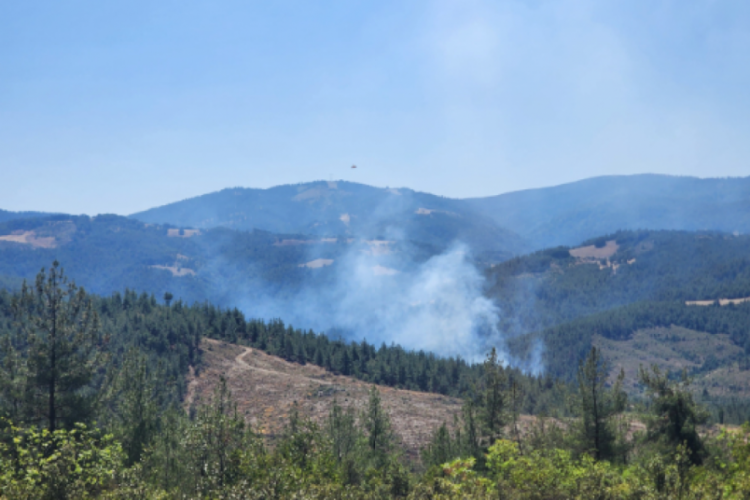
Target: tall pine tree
(598,404)
(57,321)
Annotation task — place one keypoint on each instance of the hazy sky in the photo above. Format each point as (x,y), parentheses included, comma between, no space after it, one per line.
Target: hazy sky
(116,107)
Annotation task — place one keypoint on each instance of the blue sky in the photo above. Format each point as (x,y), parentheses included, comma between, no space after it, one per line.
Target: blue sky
(120,106)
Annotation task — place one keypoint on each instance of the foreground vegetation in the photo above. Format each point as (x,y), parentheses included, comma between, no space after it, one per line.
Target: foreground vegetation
(93,415)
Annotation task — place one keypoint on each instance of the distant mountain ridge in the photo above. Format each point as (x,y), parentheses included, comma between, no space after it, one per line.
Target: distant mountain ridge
(6,215)
(571,213)
(341,209)
(511,223)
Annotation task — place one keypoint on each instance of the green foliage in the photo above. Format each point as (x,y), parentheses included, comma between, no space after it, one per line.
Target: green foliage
(377,429)
(493,397)
(132,402)
(65,464)
(345,438)
(154,450)
(674,414)
(443,448)
(214,444)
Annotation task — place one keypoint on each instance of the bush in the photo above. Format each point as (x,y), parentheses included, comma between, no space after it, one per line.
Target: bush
(75,464)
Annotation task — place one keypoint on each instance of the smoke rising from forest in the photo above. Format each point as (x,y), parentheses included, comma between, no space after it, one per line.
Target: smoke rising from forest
(385,292)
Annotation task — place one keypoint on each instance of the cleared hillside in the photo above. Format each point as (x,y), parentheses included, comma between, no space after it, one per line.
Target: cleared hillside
(266,387)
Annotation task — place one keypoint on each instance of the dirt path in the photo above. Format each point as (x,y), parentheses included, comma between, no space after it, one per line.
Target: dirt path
(240,365)
(266,388)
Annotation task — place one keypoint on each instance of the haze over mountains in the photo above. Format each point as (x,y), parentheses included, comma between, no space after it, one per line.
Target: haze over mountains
(545,217)
(341,209)
(423,271)
(571,213)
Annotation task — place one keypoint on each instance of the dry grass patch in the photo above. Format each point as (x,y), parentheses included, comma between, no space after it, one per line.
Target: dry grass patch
(176,270)
(49,235)
(592,252)
(317,263)
(722,302)
(183,233)
(30,238)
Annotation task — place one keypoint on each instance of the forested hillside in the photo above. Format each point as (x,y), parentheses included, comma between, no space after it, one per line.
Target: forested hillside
(109,253)
(6,215)
(571,213)
(643,297)
(342,209)
(509,223)
(553,286)
(169,335)
(558,300)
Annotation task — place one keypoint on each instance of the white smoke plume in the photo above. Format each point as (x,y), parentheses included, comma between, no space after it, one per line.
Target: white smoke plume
(436,305)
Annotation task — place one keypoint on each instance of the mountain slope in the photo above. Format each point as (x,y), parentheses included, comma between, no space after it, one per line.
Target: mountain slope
(571,213)
(509,223)
(678,299)
(109,253)
(267,388)
(230,268)
(557,285)
(341,208)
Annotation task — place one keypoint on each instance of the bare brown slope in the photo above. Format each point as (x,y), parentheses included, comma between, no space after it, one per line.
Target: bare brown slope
(265,388)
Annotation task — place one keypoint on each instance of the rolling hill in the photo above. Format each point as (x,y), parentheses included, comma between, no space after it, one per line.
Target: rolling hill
(673,298)
(508,224)
(571,213)
(110,253)
(6,215)
(342,209)
(268,387)
(560,284)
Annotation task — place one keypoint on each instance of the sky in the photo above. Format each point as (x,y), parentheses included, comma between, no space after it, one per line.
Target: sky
(116,107)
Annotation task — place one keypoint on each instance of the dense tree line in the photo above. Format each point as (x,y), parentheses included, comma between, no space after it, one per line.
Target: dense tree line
(168,334)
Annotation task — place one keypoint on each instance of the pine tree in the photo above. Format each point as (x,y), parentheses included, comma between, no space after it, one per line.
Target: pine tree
(377,426)
(13,376)
(470,444)
(214,441)
(598,405)
(134,402)
(514,394)
(58,323)
(441,449)
(493,410)
(674,414)
(342,432)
